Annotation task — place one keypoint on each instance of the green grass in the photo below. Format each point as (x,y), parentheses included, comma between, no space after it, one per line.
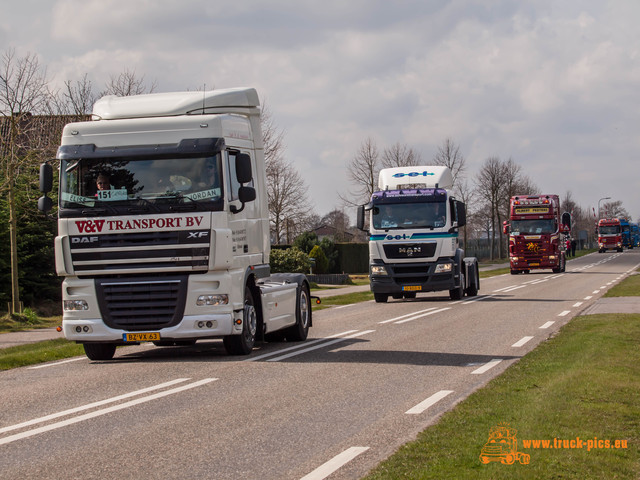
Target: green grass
(18,323)
(24,355)
(630,287)
(584,382)
(346,299)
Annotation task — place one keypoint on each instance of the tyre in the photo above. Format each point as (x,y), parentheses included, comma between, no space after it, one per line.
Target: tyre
(243,344)
(380,297)
(458,293)
(472,291)
(299,331)
(515,272)
(99,351)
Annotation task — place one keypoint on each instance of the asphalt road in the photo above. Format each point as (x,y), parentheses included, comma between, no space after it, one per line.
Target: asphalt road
(368,379)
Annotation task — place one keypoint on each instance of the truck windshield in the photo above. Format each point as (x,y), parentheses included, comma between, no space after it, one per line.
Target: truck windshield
(533,226)
(409,215)
(609,229)
(125,182)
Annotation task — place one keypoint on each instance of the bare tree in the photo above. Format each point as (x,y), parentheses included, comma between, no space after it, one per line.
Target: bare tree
(286,189)
(77,98)
(399,155)
(489,186)
(339,221)
(448,155)
(363,170)
(127,83)
(23,92)
(614,210)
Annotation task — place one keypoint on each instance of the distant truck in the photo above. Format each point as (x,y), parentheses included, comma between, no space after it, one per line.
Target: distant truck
(609,235)
(413,244)
(163,226)
(502,447)
(635,235)
(627,238)
(537,233)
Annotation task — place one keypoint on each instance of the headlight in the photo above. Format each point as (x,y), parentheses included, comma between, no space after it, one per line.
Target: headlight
(212,300)
(74,305)
(378,270)
(552,258)
(444,268)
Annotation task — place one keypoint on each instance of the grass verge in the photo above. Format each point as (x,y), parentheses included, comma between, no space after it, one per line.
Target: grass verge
(583,383)
(24,355)
(630,287)
(346,299)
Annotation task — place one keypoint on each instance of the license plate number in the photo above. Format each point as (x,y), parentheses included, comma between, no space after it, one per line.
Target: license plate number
(534,264)
(141,337)
(412,288)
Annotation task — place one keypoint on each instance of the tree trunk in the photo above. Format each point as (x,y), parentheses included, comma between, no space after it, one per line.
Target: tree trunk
(13,228)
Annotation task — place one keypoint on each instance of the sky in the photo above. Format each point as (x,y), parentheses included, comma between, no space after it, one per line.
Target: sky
(553,85)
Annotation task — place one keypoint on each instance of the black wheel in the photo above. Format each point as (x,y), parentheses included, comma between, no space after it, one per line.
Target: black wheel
(99,351)
(458,293)
(243,344)
(515,272)
(300,330)
(472,291)
(380,297)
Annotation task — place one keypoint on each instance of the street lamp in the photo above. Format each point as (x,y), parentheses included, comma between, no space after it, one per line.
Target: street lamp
(603,198)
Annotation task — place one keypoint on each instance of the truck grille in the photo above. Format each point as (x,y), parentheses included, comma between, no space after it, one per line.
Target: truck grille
(142,303)
(123,253)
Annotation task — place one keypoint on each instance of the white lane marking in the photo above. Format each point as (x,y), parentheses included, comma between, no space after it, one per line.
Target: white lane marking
(432,400)
(504,288)
(477,299)
(305,350)
(91,405)
(540,281)
(104,411)
(326,469)
(564,313)
(407,315)
(295,347)
(595,291)
(514,288)
(588,297)
(487,366)
(577,304)
(603,287)
(424,315)
(344,306)
(56,363)
(546,325)
(522,341)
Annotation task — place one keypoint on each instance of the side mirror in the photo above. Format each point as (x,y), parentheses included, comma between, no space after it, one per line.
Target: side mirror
(505,227)
(243,168)
(461,211)
(246,194)
(45,204)
(46,177)
(360,217)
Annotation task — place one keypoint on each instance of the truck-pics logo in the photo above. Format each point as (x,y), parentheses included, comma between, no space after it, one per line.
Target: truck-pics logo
(502,447)
(97,226)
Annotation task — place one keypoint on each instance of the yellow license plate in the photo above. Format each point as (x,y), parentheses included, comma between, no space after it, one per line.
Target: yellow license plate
(141,337)
(412,288)
(534,264)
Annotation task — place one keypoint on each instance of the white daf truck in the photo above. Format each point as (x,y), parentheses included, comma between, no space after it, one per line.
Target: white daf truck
(413,236)
(163,226)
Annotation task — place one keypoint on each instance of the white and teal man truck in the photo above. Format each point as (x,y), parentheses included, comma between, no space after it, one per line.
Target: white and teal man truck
(413,235)
(172,244)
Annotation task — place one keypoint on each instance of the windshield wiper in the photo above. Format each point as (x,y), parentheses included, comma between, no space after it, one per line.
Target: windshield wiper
(195,205)
(146,202)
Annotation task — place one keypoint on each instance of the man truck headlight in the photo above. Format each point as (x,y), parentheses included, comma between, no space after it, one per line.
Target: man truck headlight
(74,305)
(444,268)
(378,270)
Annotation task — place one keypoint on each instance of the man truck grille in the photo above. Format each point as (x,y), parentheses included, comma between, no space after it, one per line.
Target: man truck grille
(177,251)
(142,303)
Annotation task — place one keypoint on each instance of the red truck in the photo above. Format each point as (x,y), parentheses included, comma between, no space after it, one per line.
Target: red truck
(537,233)
(609,235)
